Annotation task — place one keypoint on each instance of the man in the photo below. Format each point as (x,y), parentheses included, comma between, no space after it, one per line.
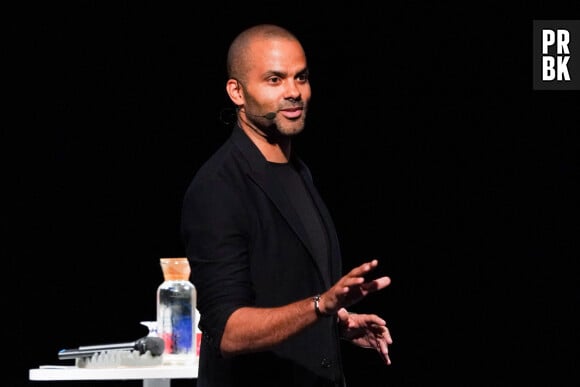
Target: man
(263,249)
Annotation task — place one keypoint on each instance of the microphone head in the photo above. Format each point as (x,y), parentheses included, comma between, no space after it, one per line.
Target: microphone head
(155,345)
(270,116)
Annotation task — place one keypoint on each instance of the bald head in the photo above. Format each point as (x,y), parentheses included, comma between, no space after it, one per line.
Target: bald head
(240,55)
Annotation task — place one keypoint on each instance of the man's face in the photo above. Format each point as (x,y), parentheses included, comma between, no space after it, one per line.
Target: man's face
(277,81)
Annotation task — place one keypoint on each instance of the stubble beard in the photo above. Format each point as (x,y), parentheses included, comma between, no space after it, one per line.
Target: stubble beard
(290,129)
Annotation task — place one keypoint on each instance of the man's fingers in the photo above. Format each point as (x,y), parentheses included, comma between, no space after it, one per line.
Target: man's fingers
(364,268)
(342,314)
(377,284)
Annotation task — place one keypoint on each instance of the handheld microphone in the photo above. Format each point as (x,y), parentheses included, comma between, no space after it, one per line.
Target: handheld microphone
(155,345)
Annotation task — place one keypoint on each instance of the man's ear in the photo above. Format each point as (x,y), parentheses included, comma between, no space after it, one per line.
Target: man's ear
(235,91)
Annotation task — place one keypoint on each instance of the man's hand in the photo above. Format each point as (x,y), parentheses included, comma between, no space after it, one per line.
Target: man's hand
(352,288)
(367,331)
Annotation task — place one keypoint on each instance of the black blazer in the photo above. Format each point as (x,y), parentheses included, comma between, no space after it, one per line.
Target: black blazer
(247,247)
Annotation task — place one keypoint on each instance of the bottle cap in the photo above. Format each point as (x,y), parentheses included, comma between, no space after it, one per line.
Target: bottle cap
(175,268)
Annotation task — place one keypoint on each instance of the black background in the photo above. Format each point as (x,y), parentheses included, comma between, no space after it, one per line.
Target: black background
(424,137)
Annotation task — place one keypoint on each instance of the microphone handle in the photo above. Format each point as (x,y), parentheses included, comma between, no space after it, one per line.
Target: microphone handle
(65,354)
(105,347)
(90,350)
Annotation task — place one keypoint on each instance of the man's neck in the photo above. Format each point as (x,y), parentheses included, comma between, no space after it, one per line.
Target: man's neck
(277,151)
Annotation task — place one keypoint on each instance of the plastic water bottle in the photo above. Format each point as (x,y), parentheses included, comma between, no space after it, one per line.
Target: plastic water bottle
(176,311)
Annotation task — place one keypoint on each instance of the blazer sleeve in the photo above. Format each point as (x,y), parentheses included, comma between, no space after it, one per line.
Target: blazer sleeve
(214,231)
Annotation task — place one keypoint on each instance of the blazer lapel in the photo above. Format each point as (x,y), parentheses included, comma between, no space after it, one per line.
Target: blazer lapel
(333,245)
(268,182)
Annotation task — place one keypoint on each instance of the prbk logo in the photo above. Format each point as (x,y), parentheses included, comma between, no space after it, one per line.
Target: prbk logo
(556,55)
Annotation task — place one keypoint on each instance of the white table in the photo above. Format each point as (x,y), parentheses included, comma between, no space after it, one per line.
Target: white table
(153,376)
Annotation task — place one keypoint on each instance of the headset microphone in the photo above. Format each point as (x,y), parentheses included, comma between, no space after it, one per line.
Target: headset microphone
(268,116)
